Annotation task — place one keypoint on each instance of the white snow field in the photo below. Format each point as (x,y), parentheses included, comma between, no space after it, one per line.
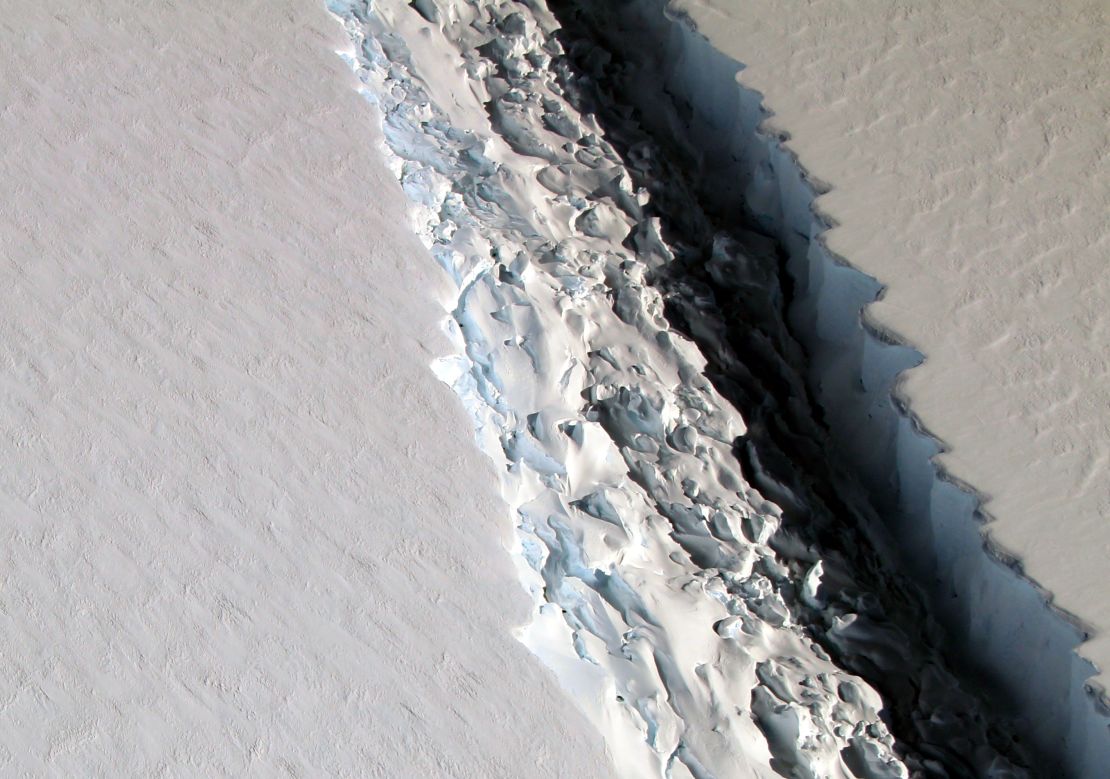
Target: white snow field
(244,529)
(247,530)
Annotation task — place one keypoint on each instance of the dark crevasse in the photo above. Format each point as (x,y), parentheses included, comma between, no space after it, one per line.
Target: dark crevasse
(594,184)
(788,344)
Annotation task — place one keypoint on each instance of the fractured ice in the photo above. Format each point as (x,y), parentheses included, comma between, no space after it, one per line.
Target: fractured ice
(683,594)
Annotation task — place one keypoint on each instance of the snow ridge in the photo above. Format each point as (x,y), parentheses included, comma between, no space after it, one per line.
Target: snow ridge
(704,628)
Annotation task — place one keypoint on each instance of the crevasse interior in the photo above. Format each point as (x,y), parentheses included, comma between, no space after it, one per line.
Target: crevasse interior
(712,590)
(1000,627)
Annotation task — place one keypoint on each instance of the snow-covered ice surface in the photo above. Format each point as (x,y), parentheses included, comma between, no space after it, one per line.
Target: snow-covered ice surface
(244,529)
(708,582)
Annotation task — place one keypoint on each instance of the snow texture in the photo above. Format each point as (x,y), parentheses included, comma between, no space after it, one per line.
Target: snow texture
(244,530)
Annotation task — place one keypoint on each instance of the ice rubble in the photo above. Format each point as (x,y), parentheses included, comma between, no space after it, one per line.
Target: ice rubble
(705,629)
(997,623)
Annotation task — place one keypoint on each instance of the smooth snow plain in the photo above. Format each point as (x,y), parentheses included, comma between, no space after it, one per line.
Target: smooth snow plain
(245,531)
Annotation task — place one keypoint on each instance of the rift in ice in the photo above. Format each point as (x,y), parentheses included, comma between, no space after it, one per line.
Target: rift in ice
(714,587)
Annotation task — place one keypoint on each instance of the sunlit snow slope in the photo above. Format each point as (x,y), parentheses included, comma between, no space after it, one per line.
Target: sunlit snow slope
(243,528)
